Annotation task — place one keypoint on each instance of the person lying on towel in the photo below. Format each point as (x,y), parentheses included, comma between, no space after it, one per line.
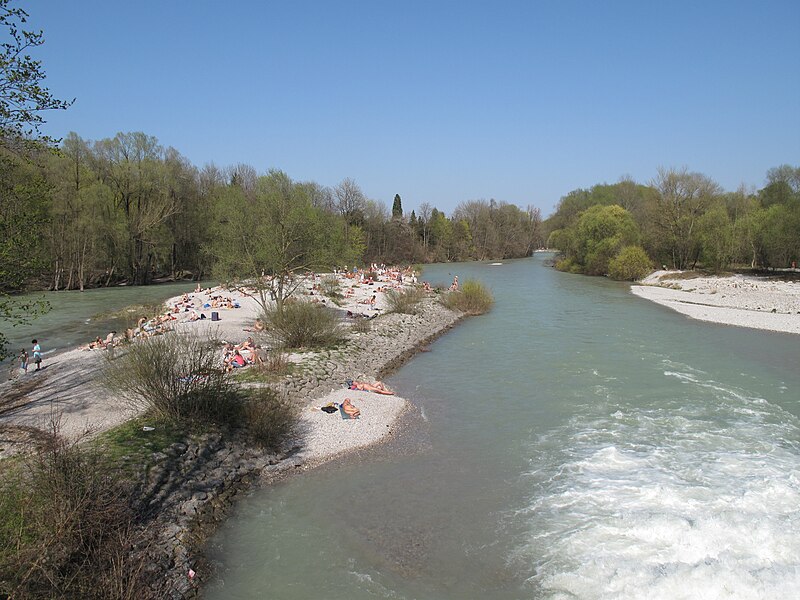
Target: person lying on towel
(349,409)
(378,387)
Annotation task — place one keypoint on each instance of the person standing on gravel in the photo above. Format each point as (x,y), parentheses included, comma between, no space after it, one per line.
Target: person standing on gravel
(37,354)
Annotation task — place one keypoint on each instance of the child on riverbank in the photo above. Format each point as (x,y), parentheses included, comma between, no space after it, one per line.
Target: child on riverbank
(23,360)
(37,354)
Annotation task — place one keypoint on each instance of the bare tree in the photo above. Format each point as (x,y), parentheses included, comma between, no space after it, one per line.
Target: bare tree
(350,201)
(425,217)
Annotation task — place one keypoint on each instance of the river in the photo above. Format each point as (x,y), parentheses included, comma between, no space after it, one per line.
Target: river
(576,442)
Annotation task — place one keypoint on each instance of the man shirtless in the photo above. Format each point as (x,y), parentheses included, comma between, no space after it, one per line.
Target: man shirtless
(349,409)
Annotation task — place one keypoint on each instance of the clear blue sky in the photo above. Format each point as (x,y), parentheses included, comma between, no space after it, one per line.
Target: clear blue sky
(438,101)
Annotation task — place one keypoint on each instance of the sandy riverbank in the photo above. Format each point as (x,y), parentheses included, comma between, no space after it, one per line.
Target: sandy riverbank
(744,301)
(71,387)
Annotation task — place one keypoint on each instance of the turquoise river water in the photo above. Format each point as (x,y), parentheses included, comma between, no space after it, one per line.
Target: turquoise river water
(75,317)
(576,442)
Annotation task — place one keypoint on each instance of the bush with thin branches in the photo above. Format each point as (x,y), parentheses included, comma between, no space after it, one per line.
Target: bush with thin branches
(404,301)
(330,286)
(178,377)
(305,325)
(67,529)
(269,418)
(361,325)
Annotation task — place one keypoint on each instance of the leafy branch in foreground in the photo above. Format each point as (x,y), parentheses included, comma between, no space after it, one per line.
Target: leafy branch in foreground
(22,95)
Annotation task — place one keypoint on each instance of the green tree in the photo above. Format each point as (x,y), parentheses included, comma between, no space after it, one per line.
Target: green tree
(683,197)
(268,243)
(132,166)
(600,233)
(23,98)
(630,264)
(716,236)
(397,207)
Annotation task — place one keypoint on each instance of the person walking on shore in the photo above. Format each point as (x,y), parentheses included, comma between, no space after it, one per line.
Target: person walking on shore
(23,360)
(37,354)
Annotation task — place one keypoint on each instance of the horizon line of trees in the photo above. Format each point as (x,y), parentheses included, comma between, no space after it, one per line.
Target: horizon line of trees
(681,220)
(126,209)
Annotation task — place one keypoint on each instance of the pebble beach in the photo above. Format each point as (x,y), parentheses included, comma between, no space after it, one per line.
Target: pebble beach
(71,385)
(771,304)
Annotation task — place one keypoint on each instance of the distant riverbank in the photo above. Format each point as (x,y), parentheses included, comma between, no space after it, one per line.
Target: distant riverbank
(768,303)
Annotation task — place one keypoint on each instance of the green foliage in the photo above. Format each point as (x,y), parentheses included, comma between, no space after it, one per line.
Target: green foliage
(397,207)
(272,235)
(716,237)
(269,417)
(404,301)
(600,233)
(594,239)
(305,325)
(568,265)
(630,264)
(175,377)
(22,97)
(472,298)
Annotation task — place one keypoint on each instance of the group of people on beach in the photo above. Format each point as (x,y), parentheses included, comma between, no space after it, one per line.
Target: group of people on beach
(232,357)
(24,358)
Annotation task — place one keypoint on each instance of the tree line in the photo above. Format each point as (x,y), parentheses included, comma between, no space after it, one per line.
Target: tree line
(681,220)
(126,209)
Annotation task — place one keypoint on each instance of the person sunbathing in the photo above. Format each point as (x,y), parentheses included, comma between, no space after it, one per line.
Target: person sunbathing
(349,409)
(378,387)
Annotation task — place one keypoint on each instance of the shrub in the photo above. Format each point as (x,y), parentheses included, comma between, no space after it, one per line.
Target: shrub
(269,417)
(568,265)
(631,264)
(178,377)
(276,362)
(404,301)
(472,298)
(66,528)
(305,324)
(331,287)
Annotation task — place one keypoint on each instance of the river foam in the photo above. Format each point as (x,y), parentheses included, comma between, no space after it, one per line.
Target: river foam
(695,499)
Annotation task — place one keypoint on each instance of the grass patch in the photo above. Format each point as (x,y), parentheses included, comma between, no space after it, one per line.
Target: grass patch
(473,298)
(129,446)
(275,366)
(404,301)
